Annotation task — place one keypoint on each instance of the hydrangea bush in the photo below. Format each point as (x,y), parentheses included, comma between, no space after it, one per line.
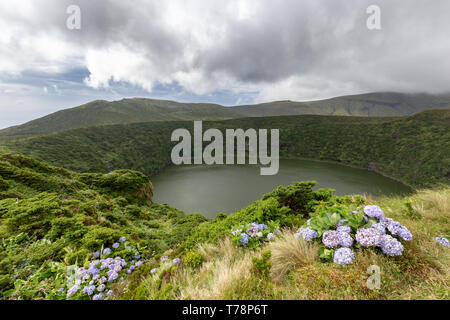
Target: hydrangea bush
(94,280)
(254,234)
(344,230)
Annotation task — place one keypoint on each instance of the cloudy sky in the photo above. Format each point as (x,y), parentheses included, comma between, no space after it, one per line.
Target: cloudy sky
(229,52)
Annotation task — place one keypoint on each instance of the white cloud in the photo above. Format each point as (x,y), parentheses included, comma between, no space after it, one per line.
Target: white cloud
(296,50)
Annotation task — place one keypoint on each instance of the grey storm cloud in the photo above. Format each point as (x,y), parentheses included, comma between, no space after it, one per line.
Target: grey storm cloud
(289,49)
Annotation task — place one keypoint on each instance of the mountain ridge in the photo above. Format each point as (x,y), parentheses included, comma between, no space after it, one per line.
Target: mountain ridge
(134,110)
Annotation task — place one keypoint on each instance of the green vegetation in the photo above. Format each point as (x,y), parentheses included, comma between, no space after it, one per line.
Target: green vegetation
(100,112)
(414,150)
(52,220)
(49,215)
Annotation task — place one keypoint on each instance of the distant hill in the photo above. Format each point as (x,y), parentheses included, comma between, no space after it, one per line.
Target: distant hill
(414,149)
(136,110)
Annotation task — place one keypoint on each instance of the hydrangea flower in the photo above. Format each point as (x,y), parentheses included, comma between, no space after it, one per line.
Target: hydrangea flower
(139,263)
(252,231)
(110,293)
(270,236)
(122,239)
(153,270)
(89,289)
(345,239)
(101,287)
(368,237)
(444,241)
(404,233)
(72,290)
(98,296)
(374,212)
(343,256)
(391,246)
(308,233)
(97,254)
(394,227)
(244,238)
(115,245)
(176,261)
(106,251)
(379,227)
(308,222)
(346,229)
(331,239)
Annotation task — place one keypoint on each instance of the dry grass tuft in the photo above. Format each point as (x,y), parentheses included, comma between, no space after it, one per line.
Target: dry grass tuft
(289,253)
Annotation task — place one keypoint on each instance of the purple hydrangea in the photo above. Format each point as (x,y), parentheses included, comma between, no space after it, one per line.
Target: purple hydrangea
(391,246)
(101,287)
(252,231)
(346,229)
(270,236)
(368,237)
(97,254)
(331,239)
(405,234)
(444,241)
(110,293)
(308,233)
(98,296)
(106,251)
(115,245)
(343,256)
(394,227)
(72,290)
(345,239)
(122,239)
(244,238)
(379,227)
(153,270)
(89,290)
(374,212)
(176,261)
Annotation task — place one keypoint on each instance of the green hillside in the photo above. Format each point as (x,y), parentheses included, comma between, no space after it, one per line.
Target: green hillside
(415,149)
(66,235)
(144,110)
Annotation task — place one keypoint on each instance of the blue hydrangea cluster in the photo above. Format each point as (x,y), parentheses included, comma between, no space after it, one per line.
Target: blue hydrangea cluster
(94,280)
(308,233)
(374,212)
(443,241)
(377,232)
(343,256)
(391,246)
(368,237)
(253,233)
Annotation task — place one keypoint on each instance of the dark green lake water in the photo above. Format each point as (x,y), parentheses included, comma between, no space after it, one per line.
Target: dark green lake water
(212,189)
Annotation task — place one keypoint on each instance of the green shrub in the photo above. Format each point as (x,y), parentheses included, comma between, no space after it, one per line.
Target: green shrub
(194,259)
(263,265)
(98,236)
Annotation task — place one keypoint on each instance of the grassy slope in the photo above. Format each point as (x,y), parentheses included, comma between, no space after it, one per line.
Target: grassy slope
(62,216)
(75,214)
(141,110)
(415,150)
